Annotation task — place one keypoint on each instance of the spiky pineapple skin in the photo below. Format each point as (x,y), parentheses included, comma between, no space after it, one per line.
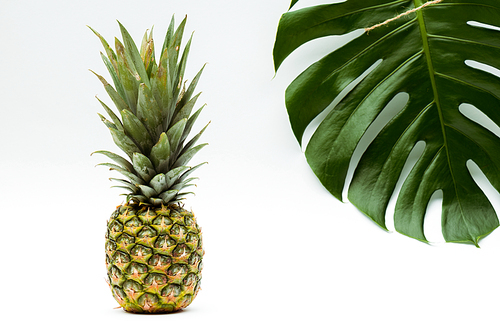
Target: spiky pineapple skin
(153,257)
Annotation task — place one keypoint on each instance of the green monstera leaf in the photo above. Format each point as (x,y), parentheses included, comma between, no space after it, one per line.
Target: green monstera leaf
(425,54)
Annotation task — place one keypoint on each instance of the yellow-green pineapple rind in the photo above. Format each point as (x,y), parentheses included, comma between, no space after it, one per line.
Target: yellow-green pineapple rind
(153,258)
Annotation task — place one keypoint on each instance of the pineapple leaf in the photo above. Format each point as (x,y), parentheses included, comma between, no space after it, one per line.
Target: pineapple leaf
(193,140)
(190,123)
(144,44)
(123,142)
(168,195)
(179,75)
(118,124)
(174,134)
(129,189)
(190,170)
(168,36)
(134,179)
(185,157)
(109,51)
(186,182)
(186,109)
(137,198)
(147,191)
(159,183)
(114,76)
(149,55)
(111,166)
(148,111)
(173,175)
(143,166)
(160,153)
(156,201)
(137,131)
(189,92)
(115,97)
(133,188)
(173,50)
(177,38)
(133,53)
(179,198)
(179,185)
(160,87)
(109,124)
(127,75)
(118,159)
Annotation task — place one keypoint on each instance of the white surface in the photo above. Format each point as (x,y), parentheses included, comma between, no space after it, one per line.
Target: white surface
(282,255)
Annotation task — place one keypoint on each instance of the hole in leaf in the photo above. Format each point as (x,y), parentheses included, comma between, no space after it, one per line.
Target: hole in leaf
(476,115)
(390,110)
(483,67)
(432,220)
(311,127)
(412,159)
(483,25)
(484,184)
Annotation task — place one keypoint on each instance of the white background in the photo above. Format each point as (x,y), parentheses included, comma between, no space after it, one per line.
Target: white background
(282,255)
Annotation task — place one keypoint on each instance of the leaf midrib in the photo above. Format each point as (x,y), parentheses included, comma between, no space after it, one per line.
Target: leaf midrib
(432,77)
(430,66)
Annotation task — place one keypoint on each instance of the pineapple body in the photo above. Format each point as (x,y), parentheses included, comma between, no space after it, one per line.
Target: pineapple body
(153,257)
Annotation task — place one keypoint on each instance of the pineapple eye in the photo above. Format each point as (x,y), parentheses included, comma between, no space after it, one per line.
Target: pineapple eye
(156,279)
(162,220)
(171,289)
(141,251)
(159,261)
(147,216)
(124,240)
(131,286)
(192,238)
(134,222)
(137,268)
(164,241)
(120,258)
(191,279)
(110,246)
(115,227)
(147,232)
(177,270)
(181,251)
(194,260)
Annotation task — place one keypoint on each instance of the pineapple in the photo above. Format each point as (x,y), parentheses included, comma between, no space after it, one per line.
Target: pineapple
(153,245)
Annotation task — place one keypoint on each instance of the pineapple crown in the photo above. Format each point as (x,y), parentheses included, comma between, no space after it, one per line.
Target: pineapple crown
(155,116)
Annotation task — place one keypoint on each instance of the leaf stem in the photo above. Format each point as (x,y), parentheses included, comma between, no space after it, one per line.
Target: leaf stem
(403,14)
